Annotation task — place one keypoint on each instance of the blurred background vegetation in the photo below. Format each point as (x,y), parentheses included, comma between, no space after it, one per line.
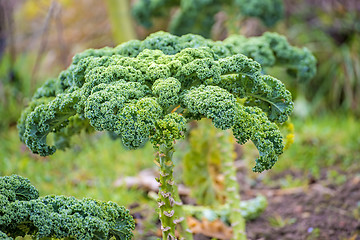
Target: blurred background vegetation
(39,37)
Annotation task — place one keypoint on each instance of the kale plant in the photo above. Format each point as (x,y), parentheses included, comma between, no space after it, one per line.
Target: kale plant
(149,90)
(23,212)
(198,16)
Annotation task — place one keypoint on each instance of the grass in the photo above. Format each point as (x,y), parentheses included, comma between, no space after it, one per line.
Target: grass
(323,142)
(87,170)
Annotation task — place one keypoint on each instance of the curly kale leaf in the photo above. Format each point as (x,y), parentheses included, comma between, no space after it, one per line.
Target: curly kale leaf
(269,50)
(151,94)
(271,96)
(264,92)
(211,102)
(46,118)
(137,121)
(299,62)
(102,106)
(167,91)
(268,11)
(272,49)
(247,123)
(169,129)
(252,124)
(3,236)
(48,89)
(17,188)
(22,213)
(62,217)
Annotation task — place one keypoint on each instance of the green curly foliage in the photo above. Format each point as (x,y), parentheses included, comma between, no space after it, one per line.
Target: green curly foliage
(272,49)
(252,124)
(132,96)
(268,11)
(198,16)
(137,122)
(195,17)
(104,101)
(145,10)
(14,188)
(45,118)
(265,92)
(212,102)
(169,129)
(167,91)
(58,216)
(3,236)
(47,89)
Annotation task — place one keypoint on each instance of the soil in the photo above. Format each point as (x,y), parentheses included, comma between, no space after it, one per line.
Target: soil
(319,210)
(322,211)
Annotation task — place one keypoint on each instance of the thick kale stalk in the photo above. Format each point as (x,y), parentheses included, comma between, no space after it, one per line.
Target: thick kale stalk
(168,130)
(148,90)
(166,199)
(23,212)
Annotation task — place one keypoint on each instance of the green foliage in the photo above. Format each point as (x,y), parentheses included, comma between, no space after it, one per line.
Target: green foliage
(24,213)
(278,222)
(4,236)
(252,124)
(194,16)
(269,50)
(16,188)
(250,209)
(269,11)
(319,143)
(131,90)
(148,90)
(158,8)
(272,49)
(171,127)
(331,30)
(198,16)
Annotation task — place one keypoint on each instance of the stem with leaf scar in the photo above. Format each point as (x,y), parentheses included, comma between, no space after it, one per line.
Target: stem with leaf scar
(166,198)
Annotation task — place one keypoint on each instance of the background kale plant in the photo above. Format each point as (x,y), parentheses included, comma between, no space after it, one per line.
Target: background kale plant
(199,16)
